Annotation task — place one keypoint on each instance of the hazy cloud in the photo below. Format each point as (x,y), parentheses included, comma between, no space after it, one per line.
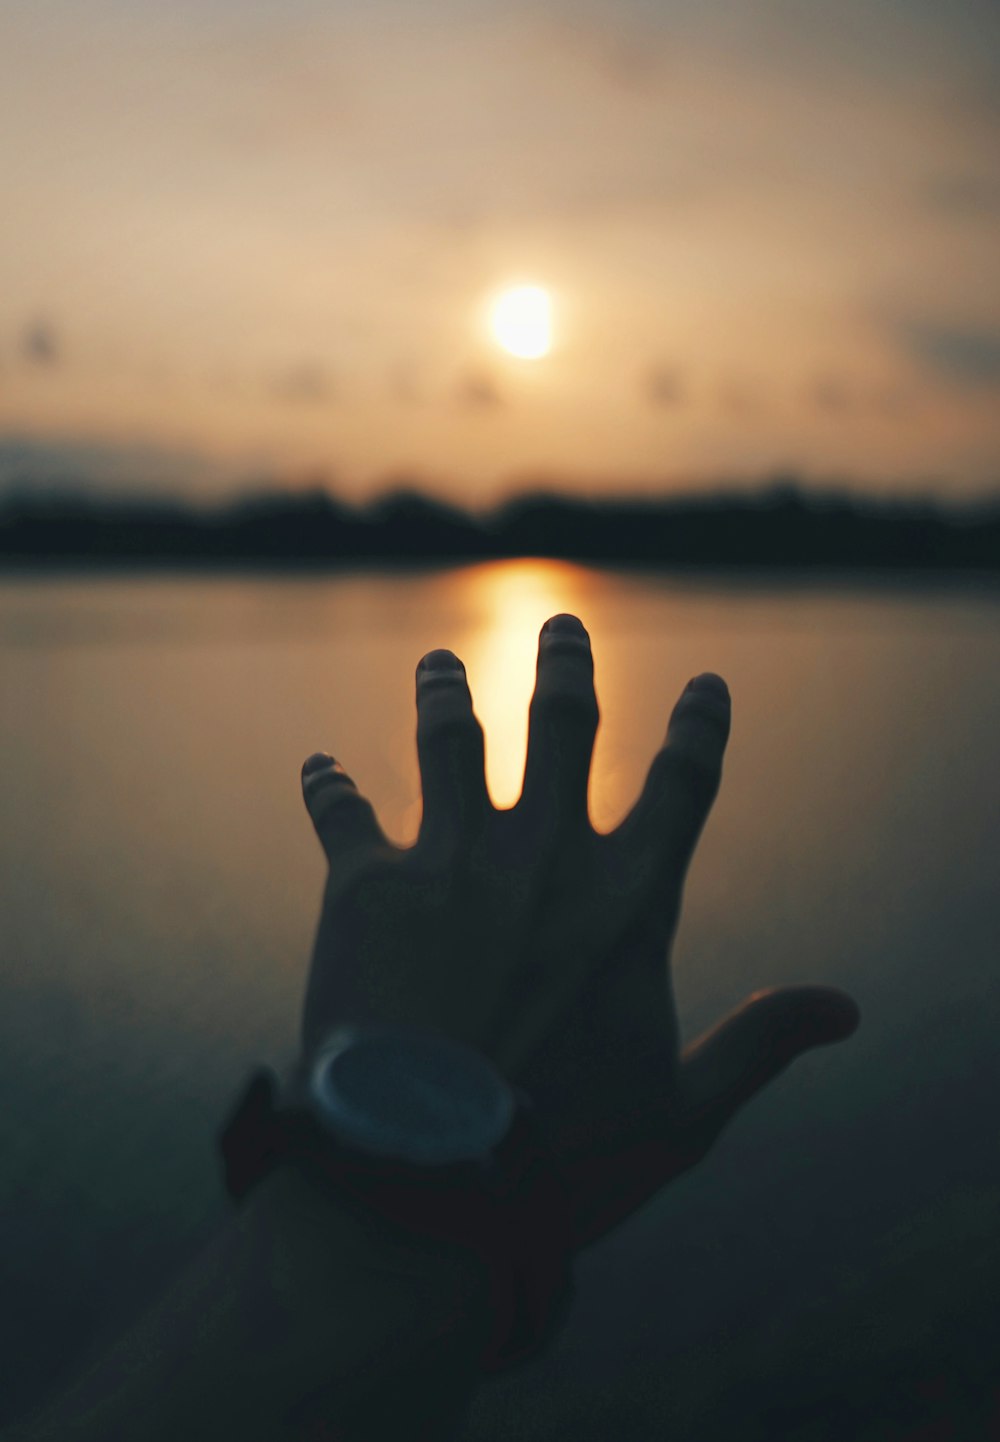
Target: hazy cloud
(39,344)
(78,464)
(307,382)
(892,401)
(477,390)
(403,383)
(831,393)
(625,52)
(965,355)
(962,194)
(661,386)
(738,396)
(837,395)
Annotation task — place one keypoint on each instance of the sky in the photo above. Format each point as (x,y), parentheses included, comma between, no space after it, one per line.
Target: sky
(245,240)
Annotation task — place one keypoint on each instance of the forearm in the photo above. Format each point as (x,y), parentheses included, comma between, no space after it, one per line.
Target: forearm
(294,1312)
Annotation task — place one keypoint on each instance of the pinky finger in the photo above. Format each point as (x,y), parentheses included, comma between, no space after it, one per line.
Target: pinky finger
(345,821)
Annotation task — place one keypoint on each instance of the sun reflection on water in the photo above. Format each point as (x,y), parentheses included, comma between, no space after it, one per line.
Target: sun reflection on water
(512,602)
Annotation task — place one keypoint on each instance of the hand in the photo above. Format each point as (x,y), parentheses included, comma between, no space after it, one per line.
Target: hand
(546,945)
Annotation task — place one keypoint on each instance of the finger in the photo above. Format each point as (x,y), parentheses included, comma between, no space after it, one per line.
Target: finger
(657,839)
(729,1064)
(451,752)
(562,725)
(345,820)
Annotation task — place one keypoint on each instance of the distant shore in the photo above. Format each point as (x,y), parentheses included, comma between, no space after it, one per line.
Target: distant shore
(782,527)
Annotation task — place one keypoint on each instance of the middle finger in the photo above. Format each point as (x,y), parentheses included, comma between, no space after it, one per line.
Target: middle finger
(563,720)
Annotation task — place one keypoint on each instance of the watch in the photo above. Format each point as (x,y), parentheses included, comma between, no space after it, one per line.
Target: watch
(424,1131)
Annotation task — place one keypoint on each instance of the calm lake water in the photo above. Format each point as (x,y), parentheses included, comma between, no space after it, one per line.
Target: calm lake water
(159,883)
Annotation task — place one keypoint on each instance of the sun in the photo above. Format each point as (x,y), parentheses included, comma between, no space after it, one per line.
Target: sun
(522,321)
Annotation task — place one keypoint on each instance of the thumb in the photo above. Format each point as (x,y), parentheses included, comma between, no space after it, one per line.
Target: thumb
(727,1065)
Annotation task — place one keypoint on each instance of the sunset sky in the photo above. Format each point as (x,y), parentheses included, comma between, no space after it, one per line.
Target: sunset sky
(245,239)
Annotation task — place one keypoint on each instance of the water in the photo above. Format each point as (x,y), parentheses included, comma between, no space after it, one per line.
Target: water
(159,883)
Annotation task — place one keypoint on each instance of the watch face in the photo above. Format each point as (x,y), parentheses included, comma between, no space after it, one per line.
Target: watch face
(413,1095)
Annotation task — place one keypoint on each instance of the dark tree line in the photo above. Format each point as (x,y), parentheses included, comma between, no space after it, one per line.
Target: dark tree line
(782,525)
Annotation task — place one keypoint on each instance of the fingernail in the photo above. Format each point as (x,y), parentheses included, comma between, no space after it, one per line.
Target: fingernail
(316,762)
(570,625)
(709,684)
(441,661)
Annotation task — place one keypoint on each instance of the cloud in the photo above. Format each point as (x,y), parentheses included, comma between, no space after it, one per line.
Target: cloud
(624,50)
(477,390)
(962,194)
(893,401)
(307,382)
(738,396)
(404,383)
(839,396)
(661,386)
(831,393)
(39,344)
(96,466)
(968,356)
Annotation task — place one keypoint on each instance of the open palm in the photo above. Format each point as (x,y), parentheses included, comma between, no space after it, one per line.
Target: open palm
(544,944)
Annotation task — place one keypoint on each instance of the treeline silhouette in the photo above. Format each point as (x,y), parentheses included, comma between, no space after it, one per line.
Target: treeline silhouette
(781,525)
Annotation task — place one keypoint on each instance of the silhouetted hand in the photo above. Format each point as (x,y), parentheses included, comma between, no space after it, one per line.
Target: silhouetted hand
(527,934)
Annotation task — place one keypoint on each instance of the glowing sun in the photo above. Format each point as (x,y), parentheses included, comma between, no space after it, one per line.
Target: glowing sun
(522,321)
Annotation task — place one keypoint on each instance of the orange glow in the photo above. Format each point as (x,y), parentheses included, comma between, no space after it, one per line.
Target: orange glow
(514,601)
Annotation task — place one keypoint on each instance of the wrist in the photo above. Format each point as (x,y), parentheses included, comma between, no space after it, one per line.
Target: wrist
(489,1229)
(359,1308)
(311,1239)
